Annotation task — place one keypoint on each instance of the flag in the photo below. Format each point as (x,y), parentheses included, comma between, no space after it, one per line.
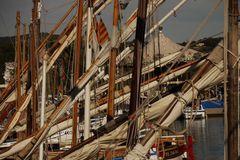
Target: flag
(102,34)
(98,31)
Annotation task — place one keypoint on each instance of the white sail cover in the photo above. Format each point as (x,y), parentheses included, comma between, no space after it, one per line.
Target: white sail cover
(139,152)
(214,75)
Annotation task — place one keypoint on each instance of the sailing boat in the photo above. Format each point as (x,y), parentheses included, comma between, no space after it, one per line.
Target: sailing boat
(112,135)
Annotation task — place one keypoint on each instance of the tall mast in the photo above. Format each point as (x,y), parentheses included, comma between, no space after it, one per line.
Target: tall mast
(35,65)
(77,68)
(136,72)
(37,7)
(33,74)
(88,64)
(225,49)
(112,62)
(18,60)
(232,92)
(43,101)
(28,86)
(24,39)
(24,44)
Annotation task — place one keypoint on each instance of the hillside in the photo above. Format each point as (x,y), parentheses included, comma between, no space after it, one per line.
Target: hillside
(7,52)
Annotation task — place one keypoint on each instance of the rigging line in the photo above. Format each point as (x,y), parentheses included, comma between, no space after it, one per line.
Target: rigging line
(47,22)
(58,63)
(8,33)
(55,8)
(152,37)
(44,22)
(21,22)
(43,5)
(141,108)
(69,64)
(44,16)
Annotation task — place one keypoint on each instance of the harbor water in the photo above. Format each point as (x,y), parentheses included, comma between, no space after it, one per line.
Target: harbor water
(208,135)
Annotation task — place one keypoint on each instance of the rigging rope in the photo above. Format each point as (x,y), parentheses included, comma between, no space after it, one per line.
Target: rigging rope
(56,8)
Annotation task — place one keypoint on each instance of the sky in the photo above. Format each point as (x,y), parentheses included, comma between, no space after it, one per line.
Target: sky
(179,27)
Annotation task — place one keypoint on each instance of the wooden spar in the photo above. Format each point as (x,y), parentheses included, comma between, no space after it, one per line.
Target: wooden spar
(77,68)
(18,61)
(225,52)
(33,74)
(28,86)
(37,21)
(88,64)
(36,32)
(24,45)
(43,102)
(232,92)
(112,62)
(37,7)
(137,69)
(18,41)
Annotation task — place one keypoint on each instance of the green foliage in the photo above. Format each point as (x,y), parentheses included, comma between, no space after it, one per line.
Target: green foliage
(7,52)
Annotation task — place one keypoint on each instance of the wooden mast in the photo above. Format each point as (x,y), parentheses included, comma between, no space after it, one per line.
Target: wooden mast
(35,63)
(225,52)
(43,102)
(36,5)
(232,92)
(77,68)
(88,64)
(136,72)
(20,135)
(28,86)
(24,44)
(112,62)
(18,61)
(33,74)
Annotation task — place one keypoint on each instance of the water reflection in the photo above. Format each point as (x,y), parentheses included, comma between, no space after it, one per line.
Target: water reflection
(208,136)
